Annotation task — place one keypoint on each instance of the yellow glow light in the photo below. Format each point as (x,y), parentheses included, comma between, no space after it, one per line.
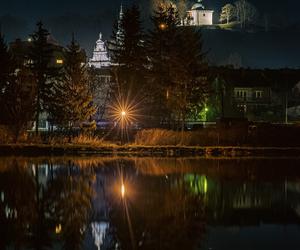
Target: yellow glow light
(58,229)
(59,61)
(162,26)
(122,190)
(123,112)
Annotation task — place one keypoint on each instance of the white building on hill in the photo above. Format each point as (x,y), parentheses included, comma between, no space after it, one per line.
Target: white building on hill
(199,16)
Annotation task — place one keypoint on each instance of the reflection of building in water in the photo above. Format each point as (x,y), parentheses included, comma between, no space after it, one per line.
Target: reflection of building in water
(99,230)
(100,227)
(44,172)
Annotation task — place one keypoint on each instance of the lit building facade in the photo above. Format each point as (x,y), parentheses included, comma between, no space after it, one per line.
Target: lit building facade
(102,64)
(100,58)
(199,16)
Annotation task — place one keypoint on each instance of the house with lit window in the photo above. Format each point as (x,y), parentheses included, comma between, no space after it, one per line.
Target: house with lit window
(250,100)
(21,50)
(258,95)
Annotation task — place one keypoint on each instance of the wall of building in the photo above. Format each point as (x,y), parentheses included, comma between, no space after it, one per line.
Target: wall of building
(202,17)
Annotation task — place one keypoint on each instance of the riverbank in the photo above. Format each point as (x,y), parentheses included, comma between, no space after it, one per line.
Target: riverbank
(132,150)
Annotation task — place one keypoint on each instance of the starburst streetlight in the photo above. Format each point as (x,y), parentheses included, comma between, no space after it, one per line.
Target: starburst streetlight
(123,113)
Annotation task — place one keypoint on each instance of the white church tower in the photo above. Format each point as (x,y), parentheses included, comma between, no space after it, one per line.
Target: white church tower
(100,57)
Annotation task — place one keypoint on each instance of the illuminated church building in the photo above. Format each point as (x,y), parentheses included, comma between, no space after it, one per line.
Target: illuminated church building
(199,16)
(100,57)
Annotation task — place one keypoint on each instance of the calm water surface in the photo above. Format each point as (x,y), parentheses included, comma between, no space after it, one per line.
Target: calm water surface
(149,203)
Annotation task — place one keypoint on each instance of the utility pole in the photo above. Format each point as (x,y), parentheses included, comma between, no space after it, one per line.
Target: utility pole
(286,108)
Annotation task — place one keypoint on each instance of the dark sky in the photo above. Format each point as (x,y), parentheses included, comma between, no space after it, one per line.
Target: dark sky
(39,8)
(86,18)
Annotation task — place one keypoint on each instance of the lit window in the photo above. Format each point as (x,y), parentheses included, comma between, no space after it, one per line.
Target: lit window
(59,61)
(258,94)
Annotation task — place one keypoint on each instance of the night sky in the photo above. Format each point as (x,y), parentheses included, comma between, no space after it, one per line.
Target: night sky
(86,18)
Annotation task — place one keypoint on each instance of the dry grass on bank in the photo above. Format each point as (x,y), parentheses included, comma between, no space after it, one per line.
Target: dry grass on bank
(205,137)
(88,140)
(85,140)
(5,135)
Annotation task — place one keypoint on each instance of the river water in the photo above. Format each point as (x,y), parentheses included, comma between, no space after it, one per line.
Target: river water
(149,203)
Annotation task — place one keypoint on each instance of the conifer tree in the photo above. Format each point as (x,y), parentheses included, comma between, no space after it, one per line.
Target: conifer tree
(188,73)
(5,66)
(17,92)
(128,54)
(177,66)
(19,102)
(160,40)
(41,55)
(73,97)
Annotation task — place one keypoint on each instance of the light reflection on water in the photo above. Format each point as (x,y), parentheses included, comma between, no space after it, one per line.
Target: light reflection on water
(149,203)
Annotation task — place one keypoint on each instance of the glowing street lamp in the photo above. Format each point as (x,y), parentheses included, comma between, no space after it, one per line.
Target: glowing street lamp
(123,112)
(162,26)
(58,229)
(123,190)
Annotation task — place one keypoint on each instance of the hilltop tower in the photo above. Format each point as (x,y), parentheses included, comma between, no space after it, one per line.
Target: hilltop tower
(100,57)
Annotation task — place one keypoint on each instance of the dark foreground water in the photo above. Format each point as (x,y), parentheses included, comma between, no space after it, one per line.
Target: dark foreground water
(149,203)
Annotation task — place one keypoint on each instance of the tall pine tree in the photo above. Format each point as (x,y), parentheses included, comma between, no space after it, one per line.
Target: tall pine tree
(73,104)
(41,54)
(128,54)
(6,69)
(19,102)
(17,91)
(177,67)
(160,40)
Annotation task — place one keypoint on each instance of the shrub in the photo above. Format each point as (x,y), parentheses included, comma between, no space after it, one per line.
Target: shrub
(87,140)
(5,135)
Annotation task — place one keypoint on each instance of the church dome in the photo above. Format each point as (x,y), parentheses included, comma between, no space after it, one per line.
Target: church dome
(198,6)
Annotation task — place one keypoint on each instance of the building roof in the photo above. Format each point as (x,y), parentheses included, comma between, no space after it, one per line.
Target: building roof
(198,6)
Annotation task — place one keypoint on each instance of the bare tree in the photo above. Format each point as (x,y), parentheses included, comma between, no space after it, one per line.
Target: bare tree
(246,13)
(228,13)
(182,9)
(163,4)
